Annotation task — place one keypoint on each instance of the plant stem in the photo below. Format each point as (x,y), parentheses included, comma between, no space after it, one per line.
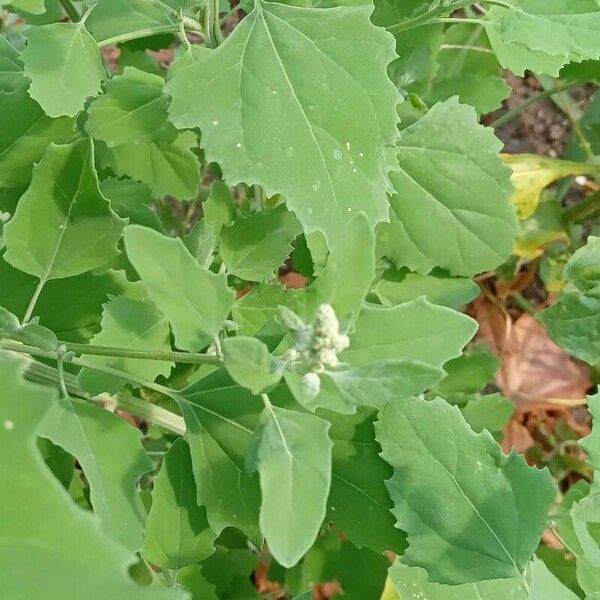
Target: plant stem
(33,301)
(178,357)
(523,303)
(70,10)
(142,33)
(515,112)
(212,24)
(135,406)
(583,210)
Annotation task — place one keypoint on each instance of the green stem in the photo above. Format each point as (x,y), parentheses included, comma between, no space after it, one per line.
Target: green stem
(515,112)
(212,24)
(135,406)
(173,12)
(523,303)
(142,33)
(33,301)
(428,17)
(70,10)
(583,210)
(178,357)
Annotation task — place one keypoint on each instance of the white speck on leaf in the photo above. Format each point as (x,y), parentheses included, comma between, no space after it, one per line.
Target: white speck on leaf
(337,155)
(9,425)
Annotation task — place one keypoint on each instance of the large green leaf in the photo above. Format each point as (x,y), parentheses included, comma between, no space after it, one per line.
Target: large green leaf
(25,136)
(412,582)
(168,168)
(195,301)
(451,208)
(359,504)
(132,109)
(471,512)
(292,453)
(63,225)
(42,530)
(220,417)
(255,86)
(254,246)
(111,455)
(554,27)
(65,67)
(131,324)
(177,532)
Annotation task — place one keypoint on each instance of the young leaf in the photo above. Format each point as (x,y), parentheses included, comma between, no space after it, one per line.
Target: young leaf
(220,417)
(219,208)
(31,334)
(64,64)
(329,164)
(254,246)
(483,513)
(38,514)
(292,453)
(434,222)
(250,364)
(25,136)
(113,459)
(349,272)
(195,301)
(63,225)
(131,324)
(132,109)
(177,532)
(169,168)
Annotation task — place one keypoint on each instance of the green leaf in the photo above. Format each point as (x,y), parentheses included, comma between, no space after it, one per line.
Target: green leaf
(412,582)
(71,308)
(545,585)
(400,285)
(470,372)
(354,563)
(292,453)
(329,164)
(572,323)
(195,301)
(36,7)
(31,334)
(591,443)
(63,225)
(134,325)
(111,455)
(554,27)
(168,168)
(120,18)
(201,242)
(349,272)
(65,67)
(359,504)
(250,363)
(434,223)
(220,417)
(219,208)
(583,268)
(25,136)
(254,246)
(483,512)
(11,71)
(491,412)
(261,306)
(409,331)
(132,109)
(38,514)
(192,579)
(132,200)
(177,532)
(373,384)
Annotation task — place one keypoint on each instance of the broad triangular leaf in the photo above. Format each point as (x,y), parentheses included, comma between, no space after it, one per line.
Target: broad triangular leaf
(451,208)
(132,109)
(64,64)
(195,301)
(131,324)
(177,532)
(292,453)
(39,515)
(25,136)
(63,225)
(471,512)
(256,85)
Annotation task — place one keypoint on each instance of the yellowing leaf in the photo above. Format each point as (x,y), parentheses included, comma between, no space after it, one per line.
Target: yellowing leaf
(533,173)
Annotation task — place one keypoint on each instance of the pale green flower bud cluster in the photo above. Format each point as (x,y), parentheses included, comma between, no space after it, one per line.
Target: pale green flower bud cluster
(317,345)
